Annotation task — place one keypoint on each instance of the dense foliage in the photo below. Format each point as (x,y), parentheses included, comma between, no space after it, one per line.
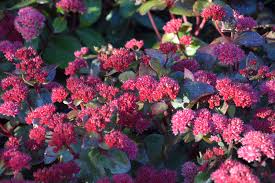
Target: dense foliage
(185,92)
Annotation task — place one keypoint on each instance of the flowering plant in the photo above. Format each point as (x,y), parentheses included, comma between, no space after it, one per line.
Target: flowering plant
(183,111)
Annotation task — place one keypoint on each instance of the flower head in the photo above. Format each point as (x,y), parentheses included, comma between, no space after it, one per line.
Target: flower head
(228,53)
(233,171)
(29,22)
(72,5)
(173,26)
(118,140)
(181,120)
(134,44)
(61,172)
(216,12)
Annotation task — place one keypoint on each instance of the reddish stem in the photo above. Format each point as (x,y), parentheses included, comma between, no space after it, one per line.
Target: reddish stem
(154,25)
(76,156)
(172,16)
(200,27)
(5,131)
(184,19)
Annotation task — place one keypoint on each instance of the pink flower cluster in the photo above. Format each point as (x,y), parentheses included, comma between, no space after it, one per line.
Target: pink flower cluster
(72,6)
(151,90)
(256,144)
(242,94)
(228,53)
(116,139)
(233,171)
(29,23)
(173,26)
(134,44)
(214,11)
(203,122)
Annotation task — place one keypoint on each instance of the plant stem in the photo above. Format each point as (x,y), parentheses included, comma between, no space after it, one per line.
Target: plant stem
(154,25)
(200,27)
(184,19)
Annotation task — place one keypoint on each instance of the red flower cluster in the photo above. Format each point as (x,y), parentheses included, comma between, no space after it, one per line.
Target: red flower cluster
(59,94)
(29,22)
(151,90)
(214,152)
(216,12)
(120,59)
(31,65)
(186,40)
(74,66)
(242,94)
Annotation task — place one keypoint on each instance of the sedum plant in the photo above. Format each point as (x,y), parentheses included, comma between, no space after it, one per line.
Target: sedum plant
(181,111)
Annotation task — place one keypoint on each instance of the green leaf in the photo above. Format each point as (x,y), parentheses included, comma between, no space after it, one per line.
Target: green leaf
(118,162)
(59,24)
(60,50)
(22,4)
(152,4)
(197,90)
(127,8)
(154,145)
(126,76)
(231,110)
(90,38)
(159,108)
(92,14)
(183,7)
(144,20)
(199,5)
(202,177)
